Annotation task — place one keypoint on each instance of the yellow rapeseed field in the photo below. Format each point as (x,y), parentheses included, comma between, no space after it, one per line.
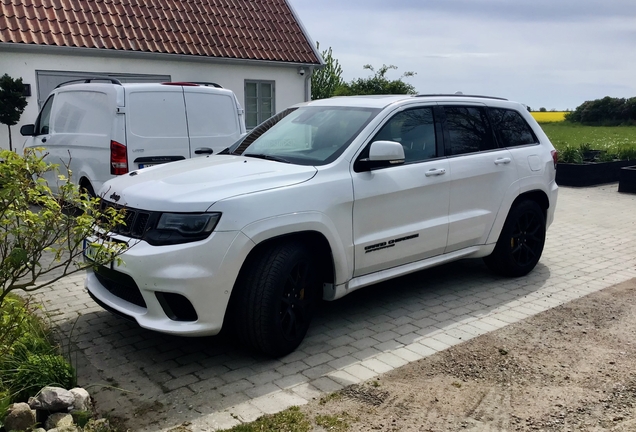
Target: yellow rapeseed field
(548,116)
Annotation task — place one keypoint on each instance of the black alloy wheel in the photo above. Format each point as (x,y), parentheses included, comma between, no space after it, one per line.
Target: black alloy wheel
(521,241)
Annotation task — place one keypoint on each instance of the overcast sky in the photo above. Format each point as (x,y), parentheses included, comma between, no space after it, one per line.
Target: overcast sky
(544,53)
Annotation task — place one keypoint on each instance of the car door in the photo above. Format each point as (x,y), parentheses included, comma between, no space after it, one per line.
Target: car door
(45,138)
(480,175)
(400,213)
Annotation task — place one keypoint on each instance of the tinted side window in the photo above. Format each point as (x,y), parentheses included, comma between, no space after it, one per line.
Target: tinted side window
(415,130)
(468,130)
(512,130)
(43,124)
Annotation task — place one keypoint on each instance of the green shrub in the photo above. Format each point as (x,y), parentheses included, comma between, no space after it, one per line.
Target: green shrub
(28,358)
(39,370)
(571,155)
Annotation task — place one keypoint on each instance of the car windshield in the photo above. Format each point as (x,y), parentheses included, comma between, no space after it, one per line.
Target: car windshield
(311,135)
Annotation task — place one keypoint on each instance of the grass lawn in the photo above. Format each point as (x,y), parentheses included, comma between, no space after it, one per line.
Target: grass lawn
(613,139)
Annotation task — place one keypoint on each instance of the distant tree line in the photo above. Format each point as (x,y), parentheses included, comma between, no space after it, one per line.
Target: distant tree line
(607,111)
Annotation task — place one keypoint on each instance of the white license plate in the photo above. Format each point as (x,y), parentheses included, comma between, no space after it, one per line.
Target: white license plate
(146,165)
(90,251)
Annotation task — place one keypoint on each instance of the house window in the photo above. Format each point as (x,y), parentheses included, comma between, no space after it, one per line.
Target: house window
(259,102)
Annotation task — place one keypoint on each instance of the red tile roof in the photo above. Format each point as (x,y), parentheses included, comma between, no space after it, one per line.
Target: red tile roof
(239,29)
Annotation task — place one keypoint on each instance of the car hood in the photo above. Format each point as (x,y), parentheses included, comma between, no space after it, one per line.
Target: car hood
(193,185)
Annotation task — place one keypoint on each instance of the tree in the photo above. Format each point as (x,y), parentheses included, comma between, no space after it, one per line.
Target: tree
(542,109)
(607,111)
(377,83)
(325,81)
(12,102)
(41,235)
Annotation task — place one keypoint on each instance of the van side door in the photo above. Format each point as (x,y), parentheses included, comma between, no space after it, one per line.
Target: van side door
(42,138)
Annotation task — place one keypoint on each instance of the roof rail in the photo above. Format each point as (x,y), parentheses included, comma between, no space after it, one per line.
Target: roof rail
(88,80)
(461,95)
(210,84)
(192,84)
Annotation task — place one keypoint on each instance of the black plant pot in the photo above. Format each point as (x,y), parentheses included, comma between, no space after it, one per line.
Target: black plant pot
(589,174)
(627,180)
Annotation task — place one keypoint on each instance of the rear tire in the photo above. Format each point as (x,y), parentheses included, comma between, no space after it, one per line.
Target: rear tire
(87,188)
(521,241)
(278,290)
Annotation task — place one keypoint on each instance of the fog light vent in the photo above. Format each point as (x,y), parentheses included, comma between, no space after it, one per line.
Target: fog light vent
(176,307)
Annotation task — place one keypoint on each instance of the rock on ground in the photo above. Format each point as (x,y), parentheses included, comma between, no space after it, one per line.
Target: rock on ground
(59,420)
(20,417)
(53,399)
(82,399)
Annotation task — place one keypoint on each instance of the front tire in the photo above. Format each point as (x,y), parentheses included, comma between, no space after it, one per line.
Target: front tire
(521,241)
(278,290)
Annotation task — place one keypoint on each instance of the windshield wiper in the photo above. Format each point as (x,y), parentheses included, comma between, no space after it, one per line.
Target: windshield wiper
(267,157)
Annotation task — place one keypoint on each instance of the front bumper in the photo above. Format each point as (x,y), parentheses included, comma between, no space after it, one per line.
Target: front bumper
(202,272)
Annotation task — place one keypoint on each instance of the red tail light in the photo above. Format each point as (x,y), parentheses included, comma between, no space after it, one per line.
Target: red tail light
(555,158)
(118,158)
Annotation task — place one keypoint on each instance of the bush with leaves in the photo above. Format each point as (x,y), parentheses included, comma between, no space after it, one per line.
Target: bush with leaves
(377,84)
(41,234)
(607,111)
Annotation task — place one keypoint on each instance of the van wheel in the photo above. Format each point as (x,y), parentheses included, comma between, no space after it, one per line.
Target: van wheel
(521,241)
(86,187)
(278,292)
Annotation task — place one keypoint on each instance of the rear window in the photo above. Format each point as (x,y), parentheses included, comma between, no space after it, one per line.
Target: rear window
(211,115)
(511,129)
(157,114)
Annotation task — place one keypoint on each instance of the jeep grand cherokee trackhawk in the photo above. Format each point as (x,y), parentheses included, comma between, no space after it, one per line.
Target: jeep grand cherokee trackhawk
(320,200)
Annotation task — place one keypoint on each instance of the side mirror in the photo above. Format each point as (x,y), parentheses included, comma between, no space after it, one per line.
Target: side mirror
(383,154)
(27,130)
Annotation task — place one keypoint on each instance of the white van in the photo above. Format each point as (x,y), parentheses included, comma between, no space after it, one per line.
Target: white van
(101,130)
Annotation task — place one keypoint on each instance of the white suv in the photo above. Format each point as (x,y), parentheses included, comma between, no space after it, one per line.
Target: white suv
(320,200)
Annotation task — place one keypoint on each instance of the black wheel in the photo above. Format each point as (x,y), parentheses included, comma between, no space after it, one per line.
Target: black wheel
(521,241)
(87,188)
(278,290)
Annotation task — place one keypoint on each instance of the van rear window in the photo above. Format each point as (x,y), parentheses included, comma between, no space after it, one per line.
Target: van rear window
(157,114)
(211,115)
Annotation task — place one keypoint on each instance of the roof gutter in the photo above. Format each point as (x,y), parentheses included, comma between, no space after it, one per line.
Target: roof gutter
(104,52)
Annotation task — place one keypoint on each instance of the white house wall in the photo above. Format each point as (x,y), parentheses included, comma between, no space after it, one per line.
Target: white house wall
(289,87)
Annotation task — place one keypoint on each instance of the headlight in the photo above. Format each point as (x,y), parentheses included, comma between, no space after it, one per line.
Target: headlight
(175,228)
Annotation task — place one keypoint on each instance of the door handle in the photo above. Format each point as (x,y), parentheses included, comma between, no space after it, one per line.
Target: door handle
(502,161)
(203,150)
(435,172)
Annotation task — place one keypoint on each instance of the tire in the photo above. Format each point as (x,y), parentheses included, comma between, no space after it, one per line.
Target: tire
(278,290)
(87,188)
(521,241)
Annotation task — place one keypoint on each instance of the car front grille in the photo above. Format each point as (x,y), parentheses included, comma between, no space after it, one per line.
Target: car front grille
(136,222)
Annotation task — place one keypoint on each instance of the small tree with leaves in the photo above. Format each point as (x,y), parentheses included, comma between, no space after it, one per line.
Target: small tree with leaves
(41,234)
(377,83)
(12,102)
(325,81)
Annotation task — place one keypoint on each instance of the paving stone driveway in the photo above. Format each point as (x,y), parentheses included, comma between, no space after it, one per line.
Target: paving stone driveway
(212,383)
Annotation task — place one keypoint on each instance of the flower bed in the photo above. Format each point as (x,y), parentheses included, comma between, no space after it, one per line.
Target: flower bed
(589,173)
(627,180)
